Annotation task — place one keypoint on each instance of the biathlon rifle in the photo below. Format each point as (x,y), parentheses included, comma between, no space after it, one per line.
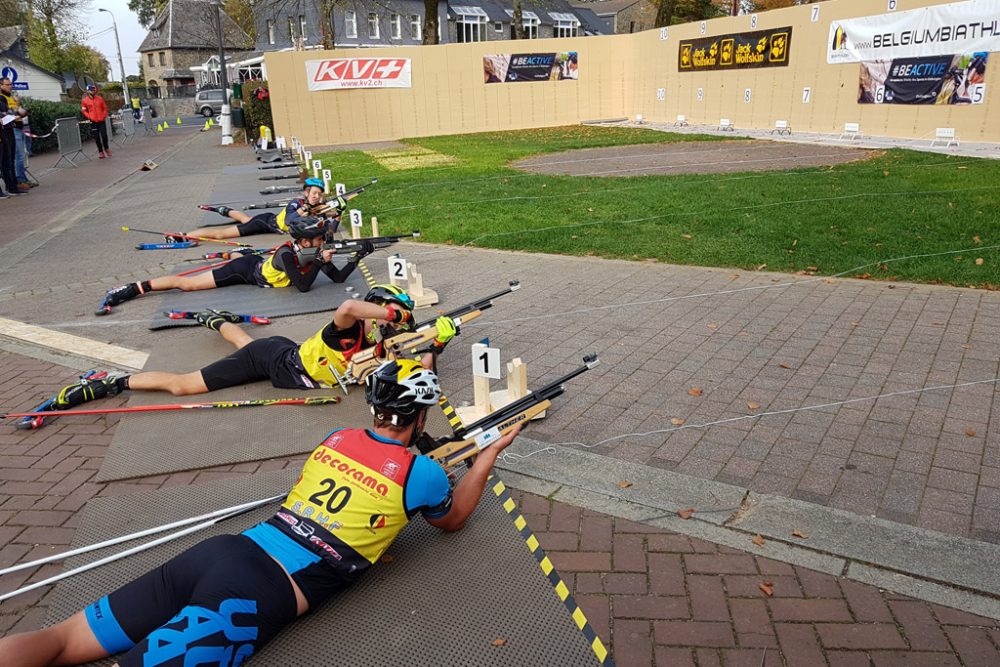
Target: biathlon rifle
(280,203)
(351,245)
(283,165)
(469,440)
(366,361)
(326,208)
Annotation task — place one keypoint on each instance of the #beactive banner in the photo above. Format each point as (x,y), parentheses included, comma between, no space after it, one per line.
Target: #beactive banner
(960,27)
(339,73)
(744,50)
(516,67)
(946,79)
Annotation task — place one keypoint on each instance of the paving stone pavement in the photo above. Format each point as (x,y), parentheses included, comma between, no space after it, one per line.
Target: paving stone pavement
(654,596)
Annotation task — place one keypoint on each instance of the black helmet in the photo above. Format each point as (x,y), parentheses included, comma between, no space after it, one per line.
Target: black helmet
(306,228)
(402,386)
(389,294)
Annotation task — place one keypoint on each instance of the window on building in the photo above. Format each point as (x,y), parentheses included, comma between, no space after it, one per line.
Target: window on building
(564,24)
(470,23)
(396,24)
(270,31)
(163,59)
(372,25)
(530,22)
(302,27)
(151,63)
(498,26)
(416,27)
(350,24)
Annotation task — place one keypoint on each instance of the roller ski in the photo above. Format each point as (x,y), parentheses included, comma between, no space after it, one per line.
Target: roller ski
(213,319)
(92,384)
(121,294)
(167,245)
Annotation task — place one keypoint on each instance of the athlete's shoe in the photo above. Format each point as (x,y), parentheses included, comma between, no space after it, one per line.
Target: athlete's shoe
(83,391)
(101,155)
(107,151)
(174,238)
(116,296)
(214,319)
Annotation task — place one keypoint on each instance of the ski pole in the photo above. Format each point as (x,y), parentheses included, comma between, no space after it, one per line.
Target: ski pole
(206,405)
(142,533)
(184,236)
(128,552)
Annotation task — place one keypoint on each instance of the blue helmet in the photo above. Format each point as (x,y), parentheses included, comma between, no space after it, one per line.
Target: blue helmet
(314,183)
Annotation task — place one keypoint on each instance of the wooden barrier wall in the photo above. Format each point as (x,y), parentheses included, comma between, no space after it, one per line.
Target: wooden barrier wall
(619,77)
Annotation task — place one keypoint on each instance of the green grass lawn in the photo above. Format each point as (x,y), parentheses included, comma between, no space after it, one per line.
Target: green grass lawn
(851,218)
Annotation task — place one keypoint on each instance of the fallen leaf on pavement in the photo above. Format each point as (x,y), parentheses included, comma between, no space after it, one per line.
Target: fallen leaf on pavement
(971,432)
(712,326)
(799,534)
(498,642)
(695,391)
(752,405)
(624,484)
(784,365)
(386,558)
(677,421)
(761,267)
(685,514)
(767,588)
(758,540)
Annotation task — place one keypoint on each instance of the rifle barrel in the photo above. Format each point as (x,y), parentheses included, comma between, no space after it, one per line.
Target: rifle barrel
(481,304)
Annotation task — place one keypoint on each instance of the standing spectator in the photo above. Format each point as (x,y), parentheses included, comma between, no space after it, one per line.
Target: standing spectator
(14,107)
(7,140)
(96,110)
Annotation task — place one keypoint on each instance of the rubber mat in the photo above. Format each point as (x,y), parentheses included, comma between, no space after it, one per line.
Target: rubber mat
(154,443)
(324,296)
(474,597)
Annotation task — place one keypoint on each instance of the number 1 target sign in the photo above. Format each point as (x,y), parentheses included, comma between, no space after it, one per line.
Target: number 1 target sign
(486,361)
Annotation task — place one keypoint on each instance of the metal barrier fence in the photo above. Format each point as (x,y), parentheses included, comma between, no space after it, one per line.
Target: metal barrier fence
(70,142)
(128,125)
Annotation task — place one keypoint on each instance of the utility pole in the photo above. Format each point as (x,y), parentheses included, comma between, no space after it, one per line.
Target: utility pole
(227,121)
(121,64)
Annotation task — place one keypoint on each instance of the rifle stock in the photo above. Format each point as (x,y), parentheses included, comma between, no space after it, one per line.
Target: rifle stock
(468,441)
(366,361)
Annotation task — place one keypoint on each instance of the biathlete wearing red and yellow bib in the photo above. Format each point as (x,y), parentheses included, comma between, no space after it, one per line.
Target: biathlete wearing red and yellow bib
(355,493)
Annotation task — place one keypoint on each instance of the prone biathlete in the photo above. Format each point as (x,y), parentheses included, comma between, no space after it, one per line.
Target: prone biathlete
(267,223)
(295,263)
(230,594)
(321,361)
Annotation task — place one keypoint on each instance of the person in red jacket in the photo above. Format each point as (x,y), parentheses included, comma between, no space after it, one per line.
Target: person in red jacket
(96,110)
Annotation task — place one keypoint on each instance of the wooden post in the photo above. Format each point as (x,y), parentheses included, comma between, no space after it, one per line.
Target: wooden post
(481,395)
(374,226)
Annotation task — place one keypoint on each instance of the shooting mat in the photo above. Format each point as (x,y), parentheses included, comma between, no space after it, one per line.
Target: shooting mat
(442,599)
(324,297)
(153,443)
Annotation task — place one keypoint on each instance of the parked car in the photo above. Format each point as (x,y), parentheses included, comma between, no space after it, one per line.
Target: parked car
(208,102)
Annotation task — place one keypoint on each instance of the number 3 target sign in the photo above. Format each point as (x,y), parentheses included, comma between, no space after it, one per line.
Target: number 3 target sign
(486,361)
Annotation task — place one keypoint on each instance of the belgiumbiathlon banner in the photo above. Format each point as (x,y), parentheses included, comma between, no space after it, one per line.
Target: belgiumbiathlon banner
(959,27)
(517,67)
(744,50)
(338,73)
(947,79)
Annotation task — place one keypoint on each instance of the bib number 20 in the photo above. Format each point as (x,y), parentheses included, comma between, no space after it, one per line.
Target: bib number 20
(334,497)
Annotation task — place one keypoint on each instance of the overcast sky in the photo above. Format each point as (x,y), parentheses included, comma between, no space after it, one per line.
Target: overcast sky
(101,37)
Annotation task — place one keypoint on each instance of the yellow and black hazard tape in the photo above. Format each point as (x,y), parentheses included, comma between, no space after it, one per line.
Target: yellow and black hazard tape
(366,272)
(603,657)
(449,412)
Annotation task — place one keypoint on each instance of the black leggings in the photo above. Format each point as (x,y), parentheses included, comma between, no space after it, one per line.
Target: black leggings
(100,135)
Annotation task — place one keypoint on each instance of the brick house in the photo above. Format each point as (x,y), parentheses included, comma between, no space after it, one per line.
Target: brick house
(182,36)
